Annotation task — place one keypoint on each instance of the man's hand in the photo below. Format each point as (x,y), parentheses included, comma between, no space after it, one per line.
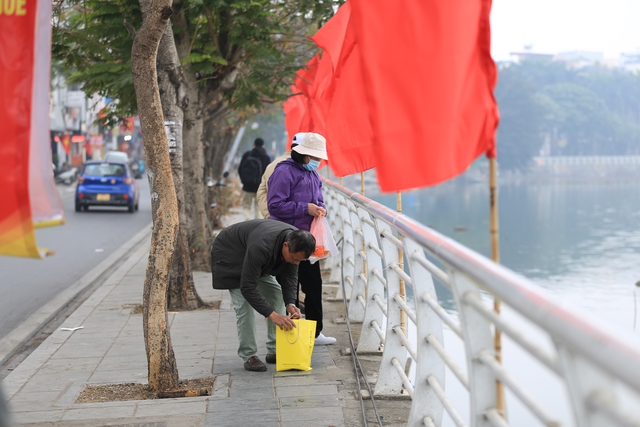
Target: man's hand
(282,321)
(315,210)
(294,312)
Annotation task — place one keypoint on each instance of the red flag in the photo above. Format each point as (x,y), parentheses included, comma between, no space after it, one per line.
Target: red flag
(349,134)
(294,112)
(331,37)
(429,78)
(342,100)
(319,103)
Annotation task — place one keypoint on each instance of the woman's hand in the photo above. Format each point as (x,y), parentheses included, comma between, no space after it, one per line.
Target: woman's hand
(315,210)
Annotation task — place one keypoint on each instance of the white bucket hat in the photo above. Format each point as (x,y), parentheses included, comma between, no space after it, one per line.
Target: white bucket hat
(298,137)
(312,144)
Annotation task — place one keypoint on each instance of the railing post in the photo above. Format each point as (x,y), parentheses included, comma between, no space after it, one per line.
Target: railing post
(335,221)
(348,251)
(588,387)
(389,383)
(476,331)
(428,324)
(369,340)
(358,295)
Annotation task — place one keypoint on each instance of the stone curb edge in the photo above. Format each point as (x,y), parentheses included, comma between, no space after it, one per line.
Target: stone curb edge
(30,327)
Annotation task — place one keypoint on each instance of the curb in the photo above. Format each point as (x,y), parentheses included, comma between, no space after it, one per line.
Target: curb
(10,344)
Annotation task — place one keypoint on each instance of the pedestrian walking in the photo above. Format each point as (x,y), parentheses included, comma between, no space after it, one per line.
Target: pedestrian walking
(251,167)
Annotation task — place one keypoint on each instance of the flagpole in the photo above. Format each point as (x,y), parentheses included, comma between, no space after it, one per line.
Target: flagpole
(403,315)
(495,256)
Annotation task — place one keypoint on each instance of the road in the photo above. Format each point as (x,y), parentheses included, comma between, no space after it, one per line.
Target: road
(81,244)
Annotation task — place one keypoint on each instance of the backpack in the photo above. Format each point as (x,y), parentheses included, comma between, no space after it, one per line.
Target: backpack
(250,172)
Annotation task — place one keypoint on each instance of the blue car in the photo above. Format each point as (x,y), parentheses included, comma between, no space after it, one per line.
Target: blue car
(103,183)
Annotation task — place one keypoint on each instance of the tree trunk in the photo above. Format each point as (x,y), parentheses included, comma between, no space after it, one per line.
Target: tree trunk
(200,235)
(221,138)
(182,292)
(198,228)
(163,371)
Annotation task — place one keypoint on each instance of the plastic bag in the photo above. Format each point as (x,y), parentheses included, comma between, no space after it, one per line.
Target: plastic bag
(294,347)
(325,244)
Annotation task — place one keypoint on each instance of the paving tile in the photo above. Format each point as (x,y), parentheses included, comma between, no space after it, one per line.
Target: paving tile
(328,415)
(307,401)
(163,407)
(35,416)
(307,390)
(100,413)
(256,417)
(240,403)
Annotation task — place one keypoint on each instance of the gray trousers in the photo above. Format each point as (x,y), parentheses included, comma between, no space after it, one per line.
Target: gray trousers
(245,317)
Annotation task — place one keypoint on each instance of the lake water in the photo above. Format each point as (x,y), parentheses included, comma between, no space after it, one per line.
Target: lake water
(579,242)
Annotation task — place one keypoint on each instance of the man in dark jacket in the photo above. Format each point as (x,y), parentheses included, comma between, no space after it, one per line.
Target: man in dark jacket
(251,168)
(257,261)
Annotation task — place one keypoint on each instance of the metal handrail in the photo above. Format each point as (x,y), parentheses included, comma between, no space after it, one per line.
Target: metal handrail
(598,366)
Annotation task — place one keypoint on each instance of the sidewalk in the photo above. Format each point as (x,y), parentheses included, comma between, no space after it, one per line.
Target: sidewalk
(109,349)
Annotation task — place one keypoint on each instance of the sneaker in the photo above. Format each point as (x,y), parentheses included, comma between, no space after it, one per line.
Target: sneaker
(322,340)
(271,358)
(254,364)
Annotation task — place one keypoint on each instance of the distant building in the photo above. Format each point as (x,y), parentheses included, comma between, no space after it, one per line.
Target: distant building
(532,56)
(630,61)
(580,58)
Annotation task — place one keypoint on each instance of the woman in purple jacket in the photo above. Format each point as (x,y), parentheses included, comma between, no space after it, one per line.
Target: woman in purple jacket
(294,196)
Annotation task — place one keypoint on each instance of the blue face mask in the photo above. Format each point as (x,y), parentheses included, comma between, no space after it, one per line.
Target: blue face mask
(312,165)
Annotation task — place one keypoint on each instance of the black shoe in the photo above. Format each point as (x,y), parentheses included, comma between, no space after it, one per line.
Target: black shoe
(254,364)
(271,358)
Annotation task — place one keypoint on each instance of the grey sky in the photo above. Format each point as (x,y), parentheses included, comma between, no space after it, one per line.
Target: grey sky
(552,26)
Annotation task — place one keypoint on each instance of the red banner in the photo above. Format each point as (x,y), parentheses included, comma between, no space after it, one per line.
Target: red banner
(20,22)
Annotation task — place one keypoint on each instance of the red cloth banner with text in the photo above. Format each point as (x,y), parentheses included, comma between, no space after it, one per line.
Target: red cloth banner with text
(46,205)
(429,79)
(21,25)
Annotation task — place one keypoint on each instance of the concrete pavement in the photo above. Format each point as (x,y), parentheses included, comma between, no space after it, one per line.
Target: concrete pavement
(109,349)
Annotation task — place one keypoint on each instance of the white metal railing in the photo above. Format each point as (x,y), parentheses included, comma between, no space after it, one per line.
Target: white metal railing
(598,369)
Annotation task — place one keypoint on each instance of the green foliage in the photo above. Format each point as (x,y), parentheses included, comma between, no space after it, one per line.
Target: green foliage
(264,42)
(577,112)
(92,48)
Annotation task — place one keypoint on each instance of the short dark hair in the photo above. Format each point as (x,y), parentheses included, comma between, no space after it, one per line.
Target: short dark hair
(259,142)
(297,157)
(301,241)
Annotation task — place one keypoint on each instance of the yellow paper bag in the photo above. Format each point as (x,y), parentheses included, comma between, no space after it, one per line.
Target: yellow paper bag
(294,347)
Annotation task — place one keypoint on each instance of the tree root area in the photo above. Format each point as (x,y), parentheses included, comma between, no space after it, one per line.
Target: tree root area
(137,391)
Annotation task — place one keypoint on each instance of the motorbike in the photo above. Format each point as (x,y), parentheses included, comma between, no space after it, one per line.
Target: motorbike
(66,177)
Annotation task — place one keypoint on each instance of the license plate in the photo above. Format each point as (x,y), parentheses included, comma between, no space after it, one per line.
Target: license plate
(103,197)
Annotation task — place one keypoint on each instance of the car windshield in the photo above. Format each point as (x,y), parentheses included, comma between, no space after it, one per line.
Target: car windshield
(105,169)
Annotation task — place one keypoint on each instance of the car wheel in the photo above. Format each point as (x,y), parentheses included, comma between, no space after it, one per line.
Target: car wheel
(78,207)
(137,206)
(131,208)
(85,208)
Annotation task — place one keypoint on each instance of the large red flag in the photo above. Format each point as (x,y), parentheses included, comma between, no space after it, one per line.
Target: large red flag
(342,98)
(429,78)
(349,133)
(318,103)
(332,36)
(294,111)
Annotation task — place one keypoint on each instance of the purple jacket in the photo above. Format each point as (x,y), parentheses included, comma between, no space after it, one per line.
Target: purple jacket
(290,189)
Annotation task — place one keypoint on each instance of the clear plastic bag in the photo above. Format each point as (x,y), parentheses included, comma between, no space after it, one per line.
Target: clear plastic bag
(325,243)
